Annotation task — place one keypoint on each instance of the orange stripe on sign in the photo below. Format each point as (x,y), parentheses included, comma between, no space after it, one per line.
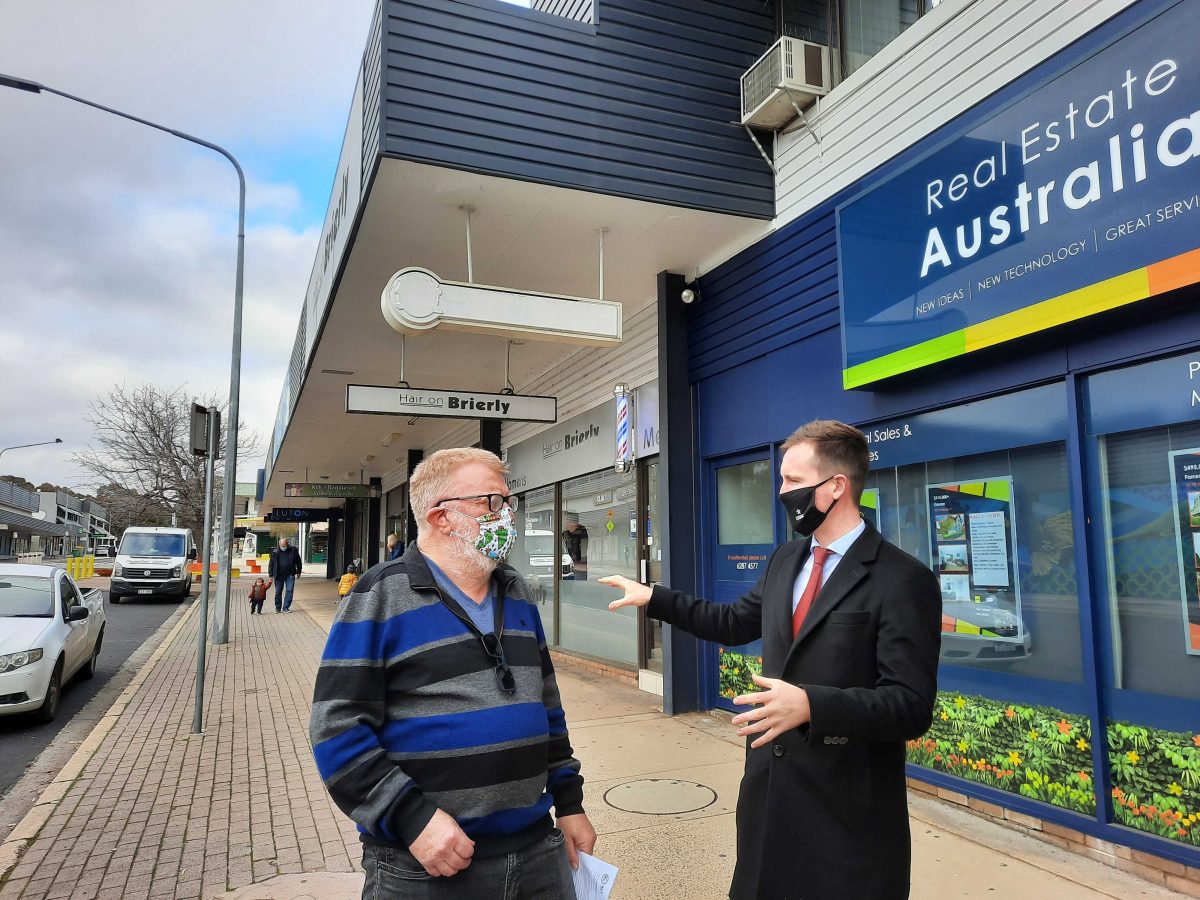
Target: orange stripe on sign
(1176,272)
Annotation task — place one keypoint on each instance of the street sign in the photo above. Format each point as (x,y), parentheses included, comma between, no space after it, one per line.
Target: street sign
(337,491)
(404,401)
(199,430)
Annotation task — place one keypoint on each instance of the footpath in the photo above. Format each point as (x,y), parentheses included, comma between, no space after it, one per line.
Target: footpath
(146,809)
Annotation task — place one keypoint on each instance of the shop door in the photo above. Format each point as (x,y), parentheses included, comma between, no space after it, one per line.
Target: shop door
(744,537)
(650,630)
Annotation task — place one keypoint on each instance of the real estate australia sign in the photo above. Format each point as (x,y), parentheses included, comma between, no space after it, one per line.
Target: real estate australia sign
(1080,195)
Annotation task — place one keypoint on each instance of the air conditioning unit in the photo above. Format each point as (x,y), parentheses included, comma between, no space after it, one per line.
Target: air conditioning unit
(792,73)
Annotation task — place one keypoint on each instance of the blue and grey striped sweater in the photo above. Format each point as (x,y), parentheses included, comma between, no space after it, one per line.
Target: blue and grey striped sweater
(408,717)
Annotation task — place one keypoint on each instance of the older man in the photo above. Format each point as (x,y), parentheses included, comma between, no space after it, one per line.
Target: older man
(436,721)
(284,566)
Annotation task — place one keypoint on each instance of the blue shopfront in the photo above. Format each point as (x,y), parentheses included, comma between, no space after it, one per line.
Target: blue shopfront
(1009,310)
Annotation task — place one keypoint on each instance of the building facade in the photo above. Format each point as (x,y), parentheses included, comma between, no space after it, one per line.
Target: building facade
(977,242)
(26,534)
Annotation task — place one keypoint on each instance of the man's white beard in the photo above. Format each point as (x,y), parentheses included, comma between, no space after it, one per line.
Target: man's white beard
(469,560)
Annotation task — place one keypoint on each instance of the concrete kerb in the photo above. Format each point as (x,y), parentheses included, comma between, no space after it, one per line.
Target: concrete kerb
(32,823)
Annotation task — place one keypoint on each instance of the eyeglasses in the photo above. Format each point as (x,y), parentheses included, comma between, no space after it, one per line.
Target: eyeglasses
(495,502)
(504,675)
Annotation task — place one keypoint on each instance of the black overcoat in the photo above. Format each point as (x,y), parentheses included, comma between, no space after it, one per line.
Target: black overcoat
(823,810)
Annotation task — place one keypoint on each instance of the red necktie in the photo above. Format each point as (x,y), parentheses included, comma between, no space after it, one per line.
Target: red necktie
(810,590)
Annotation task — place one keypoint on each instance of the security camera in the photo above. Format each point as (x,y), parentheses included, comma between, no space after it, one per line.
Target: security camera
(688,295)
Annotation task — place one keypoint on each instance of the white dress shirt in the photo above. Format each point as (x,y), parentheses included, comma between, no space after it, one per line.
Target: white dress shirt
(837,549)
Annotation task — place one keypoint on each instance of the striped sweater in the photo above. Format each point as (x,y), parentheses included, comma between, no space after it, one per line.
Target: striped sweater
(408,717)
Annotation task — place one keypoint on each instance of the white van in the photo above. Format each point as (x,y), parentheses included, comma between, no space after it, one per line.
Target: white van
(153,561)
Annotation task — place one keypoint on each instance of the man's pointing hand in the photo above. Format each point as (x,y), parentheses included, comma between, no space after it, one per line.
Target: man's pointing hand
(636,593)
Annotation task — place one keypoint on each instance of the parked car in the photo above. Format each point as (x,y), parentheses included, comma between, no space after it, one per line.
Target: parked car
(49,632)
(152,561)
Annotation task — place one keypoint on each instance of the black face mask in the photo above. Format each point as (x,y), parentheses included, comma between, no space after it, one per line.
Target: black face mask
(801,506)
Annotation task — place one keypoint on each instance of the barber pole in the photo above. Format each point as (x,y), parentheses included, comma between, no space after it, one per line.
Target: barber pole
(624,459)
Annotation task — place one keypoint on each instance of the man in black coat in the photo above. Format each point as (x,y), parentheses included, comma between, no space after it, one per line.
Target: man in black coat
(850,630)
(284,567)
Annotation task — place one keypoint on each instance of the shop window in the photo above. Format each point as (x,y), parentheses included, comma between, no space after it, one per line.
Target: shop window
(538,549)
(855,30)
(745,502)
(997,529)
(600,537)
(1150,486)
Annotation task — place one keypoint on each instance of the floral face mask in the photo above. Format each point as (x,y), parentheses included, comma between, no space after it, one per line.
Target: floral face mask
(497,532)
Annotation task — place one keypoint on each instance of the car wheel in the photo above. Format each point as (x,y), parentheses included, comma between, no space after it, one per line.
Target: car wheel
(89,671)
(114,598)
(187,590)
(49,708)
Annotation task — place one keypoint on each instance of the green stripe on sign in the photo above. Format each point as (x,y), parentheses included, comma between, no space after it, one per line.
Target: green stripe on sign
(923,354)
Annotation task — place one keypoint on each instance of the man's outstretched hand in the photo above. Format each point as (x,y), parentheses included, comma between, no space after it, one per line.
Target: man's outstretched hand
(636,593)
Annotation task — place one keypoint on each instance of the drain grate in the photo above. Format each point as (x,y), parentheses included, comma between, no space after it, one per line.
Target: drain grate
(660,796)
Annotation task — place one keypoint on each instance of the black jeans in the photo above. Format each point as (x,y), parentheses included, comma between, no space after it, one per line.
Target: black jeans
(537,872)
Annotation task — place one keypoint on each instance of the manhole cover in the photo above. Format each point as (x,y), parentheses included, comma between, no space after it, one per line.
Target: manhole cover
(659,796)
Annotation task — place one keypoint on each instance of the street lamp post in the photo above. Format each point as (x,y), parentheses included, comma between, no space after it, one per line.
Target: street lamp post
(221,617)
(4,450)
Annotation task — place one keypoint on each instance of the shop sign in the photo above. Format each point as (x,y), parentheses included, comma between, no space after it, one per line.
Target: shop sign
(405,401)
(645,416)
(296,514)
(1185,476)
(971,526)
(1161,392)
(581,444)
(335,491)
(1080,196)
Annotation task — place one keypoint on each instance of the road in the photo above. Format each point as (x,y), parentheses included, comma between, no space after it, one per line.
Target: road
(130,623)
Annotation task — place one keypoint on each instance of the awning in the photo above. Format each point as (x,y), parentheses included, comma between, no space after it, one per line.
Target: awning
(11,521)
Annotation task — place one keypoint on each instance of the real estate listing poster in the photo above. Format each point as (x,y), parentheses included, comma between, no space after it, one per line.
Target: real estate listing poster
(869,506)
(1185,476)
(974,541)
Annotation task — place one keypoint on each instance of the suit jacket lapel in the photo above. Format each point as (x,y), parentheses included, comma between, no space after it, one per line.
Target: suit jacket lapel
(849,572)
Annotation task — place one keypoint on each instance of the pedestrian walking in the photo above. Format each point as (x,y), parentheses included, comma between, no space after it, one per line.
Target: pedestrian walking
(284,567)
(258,594)
(436,720)
(850,629)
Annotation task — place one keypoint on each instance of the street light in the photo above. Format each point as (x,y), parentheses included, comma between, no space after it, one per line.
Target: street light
(221,620)
(4,450)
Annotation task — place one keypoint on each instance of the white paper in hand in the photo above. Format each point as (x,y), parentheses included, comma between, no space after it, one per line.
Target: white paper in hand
(594,878)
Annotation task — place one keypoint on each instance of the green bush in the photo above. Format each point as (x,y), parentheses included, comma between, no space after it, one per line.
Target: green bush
(1035,751)
(736,670)
(1045,754)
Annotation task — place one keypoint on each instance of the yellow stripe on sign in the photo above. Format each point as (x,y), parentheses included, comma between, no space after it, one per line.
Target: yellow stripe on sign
(1069,307)
(965,627)
(998,490)
(974,488)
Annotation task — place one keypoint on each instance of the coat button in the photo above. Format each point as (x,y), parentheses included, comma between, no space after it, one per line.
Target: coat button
(842,740)
(828,739)
(777,749)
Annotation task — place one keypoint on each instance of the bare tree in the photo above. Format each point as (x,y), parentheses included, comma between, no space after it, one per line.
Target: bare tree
(142,449)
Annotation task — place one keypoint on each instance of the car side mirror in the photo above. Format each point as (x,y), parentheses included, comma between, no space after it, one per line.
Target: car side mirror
(192,553)
(78,613)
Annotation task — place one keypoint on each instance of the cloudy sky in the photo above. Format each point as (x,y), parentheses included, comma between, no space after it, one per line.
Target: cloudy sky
(118,243)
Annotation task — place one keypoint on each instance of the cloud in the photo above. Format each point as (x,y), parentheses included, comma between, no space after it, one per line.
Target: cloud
(117,243)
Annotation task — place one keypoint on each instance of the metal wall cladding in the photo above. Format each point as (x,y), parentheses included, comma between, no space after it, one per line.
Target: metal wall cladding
(637,104)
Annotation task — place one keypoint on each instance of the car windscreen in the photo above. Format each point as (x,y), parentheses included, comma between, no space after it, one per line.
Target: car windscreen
(149,544)
(539,545)
(25,596)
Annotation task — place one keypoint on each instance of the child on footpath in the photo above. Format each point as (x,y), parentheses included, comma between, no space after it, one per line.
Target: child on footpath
(346,585)
(258,593)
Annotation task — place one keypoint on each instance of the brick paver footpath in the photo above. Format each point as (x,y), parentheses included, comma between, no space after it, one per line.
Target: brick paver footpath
(145,809)
(156,811)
